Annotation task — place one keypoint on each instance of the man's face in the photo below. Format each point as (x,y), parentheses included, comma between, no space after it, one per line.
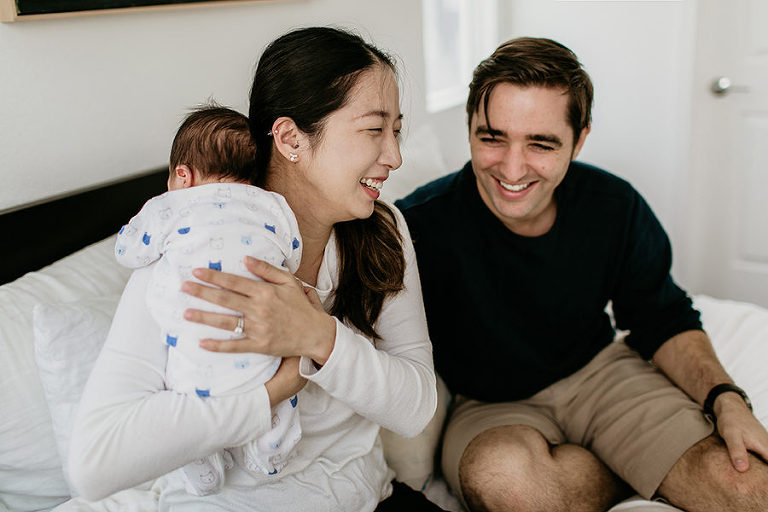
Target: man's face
(518,169)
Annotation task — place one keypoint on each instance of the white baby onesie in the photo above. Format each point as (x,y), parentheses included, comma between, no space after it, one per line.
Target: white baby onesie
(214,225)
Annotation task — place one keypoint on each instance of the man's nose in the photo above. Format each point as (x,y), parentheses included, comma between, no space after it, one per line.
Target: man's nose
(513,164)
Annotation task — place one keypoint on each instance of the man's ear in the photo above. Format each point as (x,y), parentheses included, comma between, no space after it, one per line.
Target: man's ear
(290,142)
(580,143)
(184,176)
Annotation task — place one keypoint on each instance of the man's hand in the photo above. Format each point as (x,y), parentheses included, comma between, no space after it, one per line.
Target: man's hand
(689,361)
(740,430)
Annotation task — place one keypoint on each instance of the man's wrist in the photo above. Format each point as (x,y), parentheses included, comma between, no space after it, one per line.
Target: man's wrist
(717,391)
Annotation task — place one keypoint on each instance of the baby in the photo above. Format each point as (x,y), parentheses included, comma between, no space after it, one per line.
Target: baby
(212,217)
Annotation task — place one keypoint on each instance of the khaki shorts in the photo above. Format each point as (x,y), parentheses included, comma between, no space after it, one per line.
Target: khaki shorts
(619,405)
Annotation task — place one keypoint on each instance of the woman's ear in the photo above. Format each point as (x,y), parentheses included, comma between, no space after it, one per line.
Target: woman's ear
(182,176)
(289,140)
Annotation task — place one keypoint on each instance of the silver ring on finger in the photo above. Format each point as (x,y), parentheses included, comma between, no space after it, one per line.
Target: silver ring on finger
(239,327)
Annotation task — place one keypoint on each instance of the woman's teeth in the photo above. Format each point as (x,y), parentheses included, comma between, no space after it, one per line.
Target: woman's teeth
(515,188)
(372,184)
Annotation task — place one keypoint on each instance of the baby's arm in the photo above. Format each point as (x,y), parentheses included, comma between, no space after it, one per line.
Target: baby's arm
(140,242)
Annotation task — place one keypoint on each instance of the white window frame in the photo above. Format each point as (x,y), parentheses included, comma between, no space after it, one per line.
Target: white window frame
(477,37)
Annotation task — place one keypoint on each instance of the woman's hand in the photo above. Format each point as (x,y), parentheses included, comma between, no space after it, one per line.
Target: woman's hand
(286,382)
(279,317)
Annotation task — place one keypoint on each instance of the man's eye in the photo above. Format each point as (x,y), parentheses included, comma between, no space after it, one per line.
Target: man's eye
(543,147)
(377,130)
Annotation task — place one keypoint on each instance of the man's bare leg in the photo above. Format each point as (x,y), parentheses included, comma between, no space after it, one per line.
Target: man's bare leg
(704,480)
(513,468)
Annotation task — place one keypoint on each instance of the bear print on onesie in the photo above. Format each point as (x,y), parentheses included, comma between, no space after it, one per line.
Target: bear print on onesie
(215,226)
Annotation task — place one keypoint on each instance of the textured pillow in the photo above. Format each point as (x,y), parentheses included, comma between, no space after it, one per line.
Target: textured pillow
(68,338)
(30,471)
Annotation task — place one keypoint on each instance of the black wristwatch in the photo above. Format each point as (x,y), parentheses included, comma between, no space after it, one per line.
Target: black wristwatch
(719,390)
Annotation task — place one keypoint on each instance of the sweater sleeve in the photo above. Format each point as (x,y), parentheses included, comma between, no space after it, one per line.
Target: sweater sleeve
(391,382)
(129,428)
(647,301)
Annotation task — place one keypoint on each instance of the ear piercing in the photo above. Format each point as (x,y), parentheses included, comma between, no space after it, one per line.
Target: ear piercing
(293,157)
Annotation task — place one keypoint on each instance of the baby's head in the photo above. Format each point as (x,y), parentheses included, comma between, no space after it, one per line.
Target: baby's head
(213,144)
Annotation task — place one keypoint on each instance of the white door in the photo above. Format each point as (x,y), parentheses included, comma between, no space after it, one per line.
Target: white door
(728,194)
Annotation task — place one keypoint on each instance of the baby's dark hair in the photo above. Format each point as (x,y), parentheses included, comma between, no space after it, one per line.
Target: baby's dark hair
(215,141)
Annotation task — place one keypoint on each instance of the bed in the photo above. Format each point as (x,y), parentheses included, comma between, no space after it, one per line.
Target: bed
(60,289)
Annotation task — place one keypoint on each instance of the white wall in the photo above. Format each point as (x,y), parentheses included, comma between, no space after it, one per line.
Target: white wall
(89,99)
(86,100)
(640,57)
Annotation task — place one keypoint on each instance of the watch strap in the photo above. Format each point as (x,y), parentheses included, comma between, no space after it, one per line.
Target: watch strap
(718,390)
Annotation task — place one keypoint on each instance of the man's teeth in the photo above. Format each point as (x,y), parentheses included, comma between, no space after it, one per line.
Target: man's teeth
(515,188)
(372,184)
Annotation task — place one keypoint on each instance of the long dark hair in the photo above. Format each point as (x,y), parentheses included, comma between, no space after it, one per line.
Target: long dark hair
(307,74)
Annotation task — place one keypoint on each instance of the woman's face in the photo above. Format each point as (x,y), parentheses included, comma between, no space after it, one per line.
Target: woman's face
(356,150)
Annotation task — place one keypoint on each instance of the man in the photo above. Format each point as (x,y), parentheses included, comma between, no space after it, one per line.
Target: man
(520,252)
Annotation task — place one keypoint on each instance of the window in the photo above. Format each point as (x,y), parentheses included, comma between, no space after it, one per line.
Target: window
(458,34)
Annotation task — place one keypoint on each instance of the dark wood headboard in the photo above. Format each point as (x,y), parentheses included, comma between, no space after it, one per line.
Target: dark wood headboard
(40,233)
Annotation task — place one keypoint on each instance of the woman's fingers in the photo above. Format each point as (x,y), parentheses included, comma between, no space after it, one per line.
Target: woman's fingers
(268,272)
(239,284)
(220,320)
(223,297)
(227,346)
(235,283)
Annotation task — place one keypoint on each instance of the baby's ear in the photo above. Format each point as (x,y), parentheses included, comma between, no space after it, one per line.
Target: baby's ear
(183,176)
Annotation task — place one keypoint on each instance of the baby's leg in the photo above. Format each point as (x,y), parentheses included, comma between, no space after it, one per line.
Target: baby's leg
(270,452)
(206,476)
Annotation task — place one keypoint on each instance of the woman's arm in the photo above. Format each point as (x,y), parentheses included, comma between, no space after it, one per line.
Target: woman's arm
(129,429)
(391,383)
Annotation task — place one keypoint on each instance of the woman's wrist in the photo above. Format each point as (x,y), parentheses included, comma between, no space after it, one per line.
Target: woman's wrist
(325,341)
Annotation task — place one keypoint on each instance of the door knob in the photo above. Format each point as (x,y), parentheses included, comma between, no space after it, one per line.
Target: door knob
(722,85)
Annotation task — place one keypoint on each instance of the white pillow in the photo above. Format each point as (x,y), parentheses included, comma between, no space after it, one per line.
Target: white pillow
(68,338)
(30,470)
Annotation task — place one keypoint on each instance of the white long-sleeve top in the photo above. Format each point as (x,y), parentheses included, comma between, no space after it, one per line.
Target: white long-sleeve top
(130,429)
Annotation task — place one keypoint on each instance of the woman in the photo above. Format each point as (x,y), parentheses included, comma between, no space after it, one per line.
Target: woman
(325,116)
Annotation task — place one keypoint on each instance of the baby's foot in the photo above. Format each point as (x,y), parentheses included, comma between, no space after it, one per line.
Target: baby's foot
(204,476)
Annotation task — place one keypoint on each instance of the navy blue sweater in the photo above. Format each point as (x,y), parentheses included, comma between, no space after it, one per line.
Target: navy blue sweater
(509,315)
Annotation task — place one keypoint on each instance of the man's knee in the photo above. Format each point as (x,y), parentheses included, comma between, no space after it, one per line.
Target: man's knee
(706,468)
(501,466)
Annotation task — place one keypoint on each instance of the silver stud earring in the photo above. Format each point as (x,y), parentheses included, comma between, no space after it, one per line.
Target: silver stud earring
(293,157)
(295,146)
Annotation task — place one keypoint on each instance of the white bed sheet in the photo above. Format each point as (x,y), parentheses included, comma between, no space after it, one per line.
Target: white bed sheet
(30,469)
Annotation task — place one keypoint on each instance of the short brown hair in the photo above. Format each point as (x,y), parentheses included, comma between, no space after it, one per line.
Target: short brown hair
(530,61)
(216,142)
